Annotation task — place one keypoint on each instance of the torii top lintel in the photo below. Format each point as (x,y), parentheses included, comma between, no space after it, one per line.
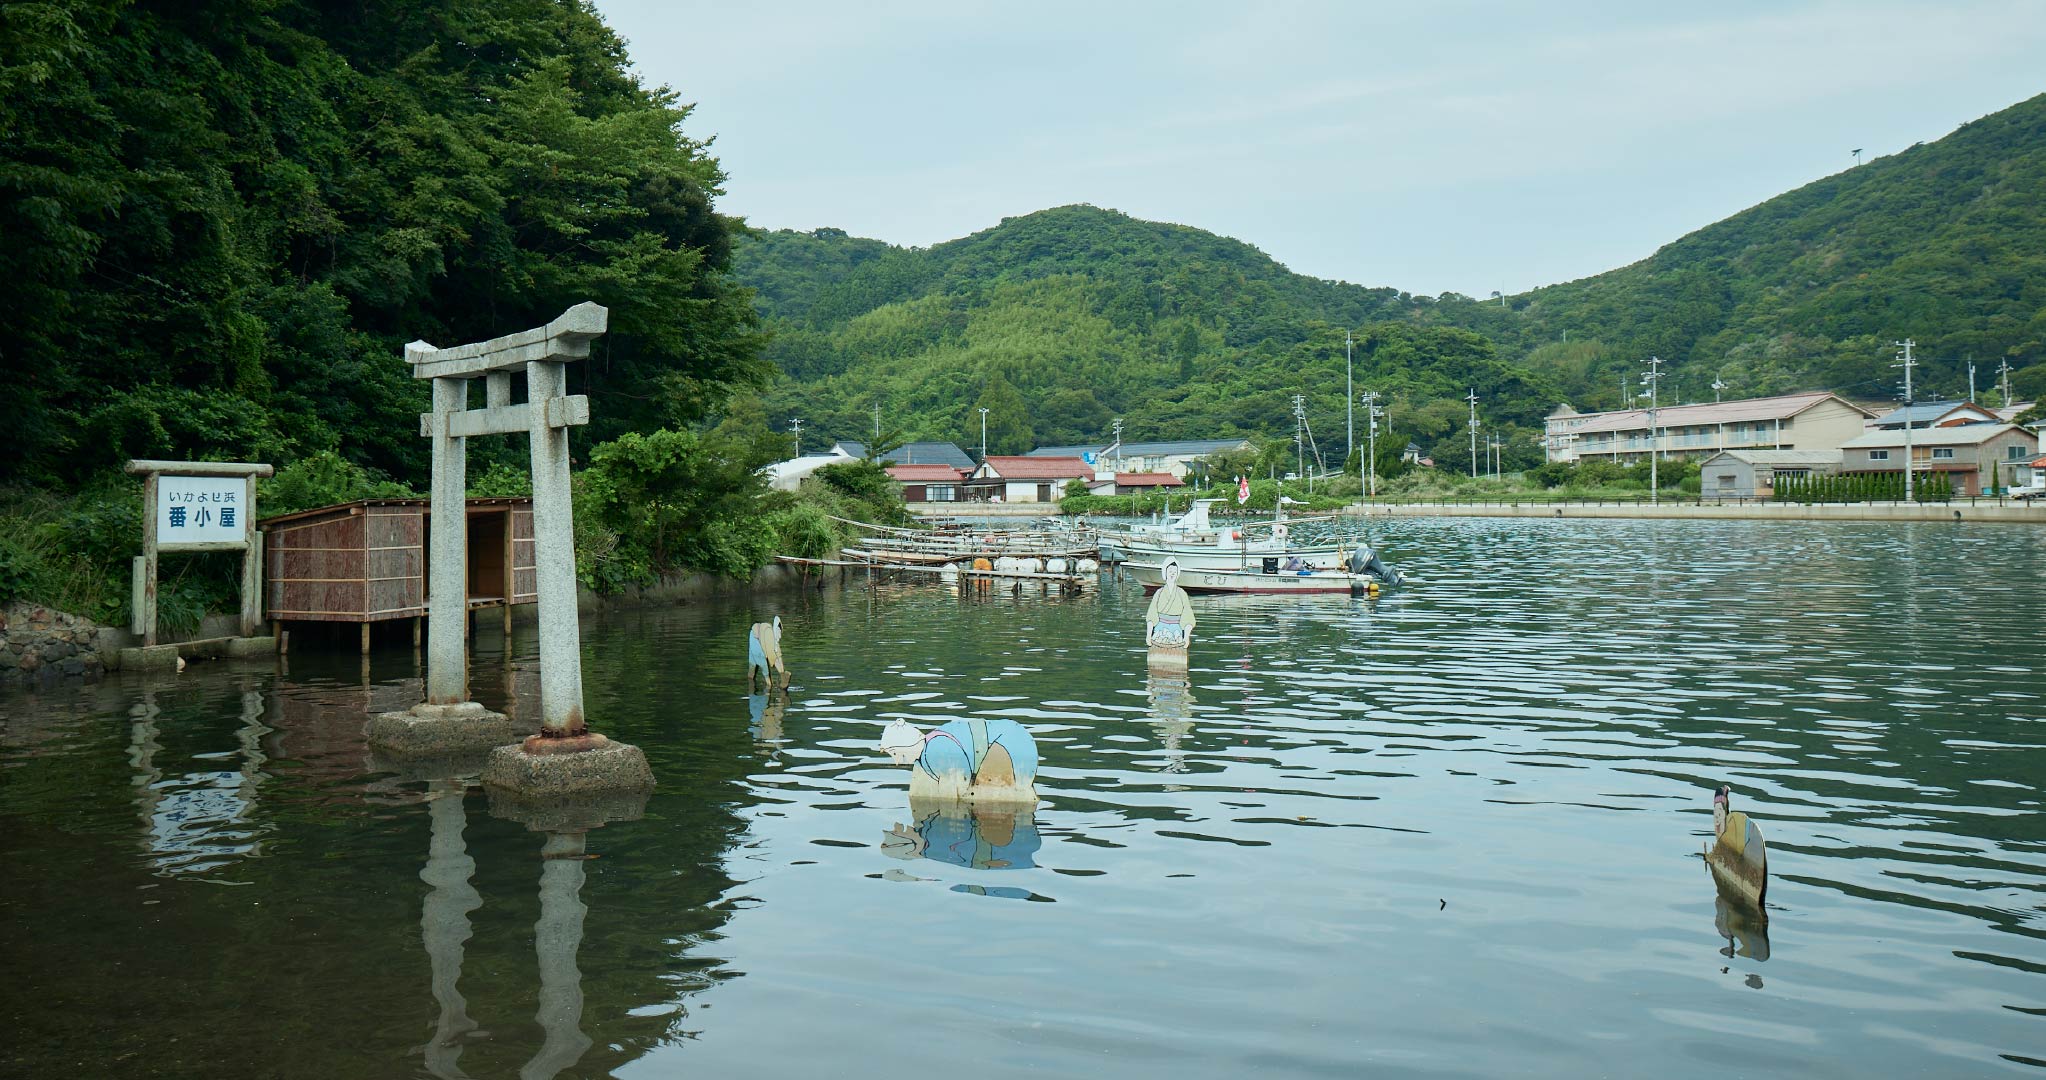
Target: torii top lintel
(566,338)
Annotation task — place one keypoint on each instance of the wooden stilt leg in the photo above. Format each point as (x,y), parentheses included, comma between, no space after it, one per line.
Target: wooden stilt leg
(507,620)
(415,633)
(365,639)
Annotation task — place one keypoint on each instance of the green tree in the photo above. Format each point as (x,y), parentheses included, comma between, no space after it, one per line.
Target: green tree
(1008,419)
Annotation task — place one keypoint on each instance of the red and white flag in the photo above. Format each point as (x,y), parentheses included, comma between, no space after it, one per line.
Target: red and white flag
(1242,490)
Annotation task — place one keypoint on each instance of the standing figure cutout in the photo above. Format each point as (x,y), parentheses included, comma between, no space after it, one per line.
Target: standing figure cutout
(1738,858)
(1169,623)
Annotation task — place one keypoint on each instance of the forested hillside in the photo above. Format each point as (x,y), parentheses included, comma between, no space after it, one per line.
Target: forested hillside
(1064,319)
(1061,321)
(1944,243)
(219,222)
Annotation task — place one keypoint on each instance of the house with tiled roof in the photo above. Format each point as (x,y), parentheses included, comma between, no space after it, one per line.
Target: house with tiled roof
(928,483)
(1971,456)
(912,453)
(1133,483)
(1932,414)
(1176,456)
(1025,479)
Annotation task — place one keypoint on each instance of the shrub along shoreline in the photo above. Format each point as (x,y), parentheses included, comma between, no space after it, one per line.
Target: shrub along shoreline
(650,510)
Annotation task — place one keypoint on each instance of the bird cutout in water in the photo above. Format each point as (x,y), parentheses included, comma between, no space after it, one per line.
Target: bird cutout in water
(1738,859)
(763,656)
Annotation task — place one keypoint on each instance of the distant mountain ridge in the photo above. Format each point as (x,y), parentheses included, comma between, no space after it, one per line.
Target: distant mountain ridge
(1087,312)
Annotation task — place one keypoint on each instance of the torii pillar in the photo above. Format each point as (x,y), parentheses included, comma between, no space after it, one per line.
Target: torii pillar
(565,759)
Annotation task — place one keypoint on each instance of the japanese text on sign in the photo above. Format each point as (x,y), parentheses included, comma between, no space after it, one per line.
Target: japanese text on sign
(200,510)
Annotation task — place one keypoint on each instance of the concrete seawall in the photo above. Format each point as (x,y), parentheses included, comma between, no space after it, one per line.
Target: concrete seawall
(2018,513)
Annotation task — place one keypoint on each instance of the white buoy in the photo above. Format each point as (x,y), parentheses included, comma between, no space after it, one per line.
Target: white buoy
(1088,566)
(1029,566)
(1054,566)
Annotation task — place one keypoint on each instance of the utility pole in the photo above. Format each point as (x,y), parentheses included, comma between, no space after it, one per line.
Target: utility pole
(1371,414)
(1117,427)
(1349,399)
(1904,361)
(1717,386)
(983,435)
(2003,373)
(1473,399)
(1652,379)
(1971,380)
(1300,434)
(797,425)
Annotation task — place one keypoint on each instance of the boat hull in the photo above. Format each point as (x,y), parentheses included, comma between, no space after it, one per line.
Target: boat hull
(1150,576)
(1233,557)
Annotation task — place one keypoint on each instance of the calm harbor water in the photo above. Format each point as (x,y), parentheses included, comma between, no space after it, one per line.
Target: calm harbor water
(1449,832)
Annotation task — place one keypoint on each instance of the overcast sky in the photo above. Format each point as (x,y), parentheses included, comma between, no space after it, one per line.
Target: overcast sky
(1426,146)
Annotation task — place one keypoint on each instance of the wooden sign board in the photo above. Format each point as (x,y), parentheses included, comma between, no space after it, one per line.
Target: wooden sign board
(197,506)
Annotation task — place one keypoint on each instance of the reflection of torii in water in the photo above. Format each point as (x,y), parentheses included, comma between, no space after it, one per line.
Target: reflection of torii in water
(444,924)
(557,936)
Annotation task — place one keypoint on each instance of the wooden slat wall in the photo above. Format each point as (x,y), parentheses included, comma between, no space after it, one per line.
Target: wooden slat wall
(360,564)
(525,580)
(367,564)
(397,562)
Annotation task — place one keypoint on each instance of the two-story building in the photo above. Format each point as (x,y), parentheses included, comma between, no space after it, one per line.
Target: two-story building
(1810,421)
(1963,453)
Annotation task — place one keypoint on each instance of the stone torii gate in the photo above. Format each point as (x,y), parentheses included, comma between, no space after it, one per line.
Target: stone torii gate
(565,758)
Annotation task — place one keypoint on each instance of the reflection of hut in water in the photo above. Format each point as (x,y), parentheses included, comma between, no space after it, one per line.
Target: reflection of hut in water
(366,562)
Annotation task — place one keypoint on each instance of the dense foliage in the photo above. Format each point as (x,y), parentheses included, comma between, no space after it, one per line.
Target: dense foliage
(220,221)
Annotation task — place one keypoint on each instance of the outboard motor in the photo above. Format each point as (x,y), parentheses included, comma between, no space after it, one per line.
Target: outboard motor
(1366,561)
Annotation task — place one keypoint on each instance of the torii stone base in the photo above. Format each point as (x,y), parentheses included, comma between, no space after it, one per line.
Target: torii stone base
(589,766)
(439,731)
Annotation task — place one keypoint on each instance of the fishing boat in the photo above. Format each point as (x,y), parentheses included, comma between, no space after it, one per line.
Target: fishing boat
(1259,580)
(1196,542)
(1361,573)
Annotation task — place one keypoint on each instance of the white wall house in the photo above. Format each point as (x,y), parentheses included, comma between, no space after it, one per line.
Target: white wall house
(1814,421)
